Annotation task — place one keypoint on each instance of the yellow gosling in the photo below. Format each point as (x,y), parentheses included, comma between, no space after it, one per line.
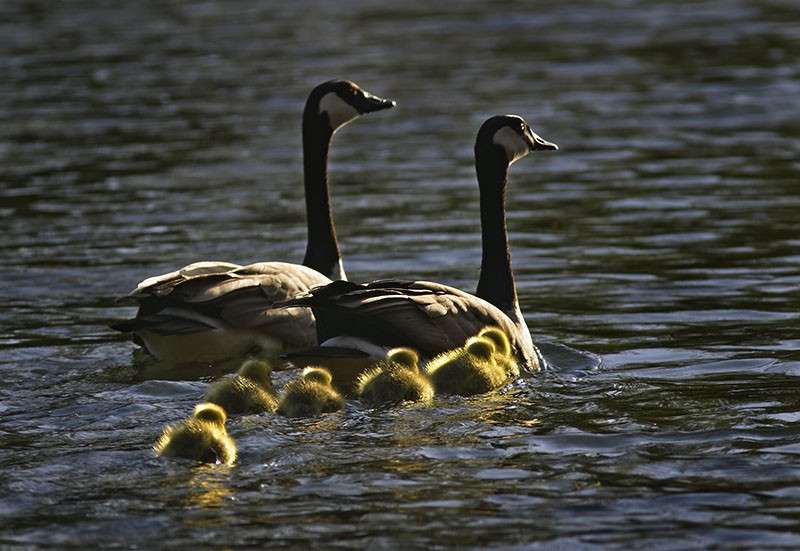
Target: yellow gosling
(201,437)
(311,395)
(250,391)
(468,370)
(396,379)
(502,345)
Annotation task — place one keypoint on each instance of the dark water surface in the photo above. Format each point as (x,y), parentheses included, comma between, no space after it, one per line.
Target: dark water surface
(657,260)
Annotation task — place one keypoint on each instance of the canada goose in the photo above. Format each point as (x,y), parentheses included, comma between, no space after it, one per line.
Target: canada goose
(430,317)
(201,437)
(468,370)
(502,355)
(396,379)
(210,311)
(311,395)
(250,391)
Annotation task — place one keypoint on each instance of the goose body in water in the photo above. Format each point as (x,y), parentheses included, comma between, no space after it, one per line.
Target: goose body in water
(210,311)
(201,437)
(430,317)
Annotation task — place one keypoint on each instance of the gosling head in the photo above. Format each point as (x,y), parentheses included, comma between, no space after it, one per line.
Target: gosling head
(404,357)
(342,101)
(209,412)
(512,136)
(499,338)
(258,371)
(317,375)
(479,347)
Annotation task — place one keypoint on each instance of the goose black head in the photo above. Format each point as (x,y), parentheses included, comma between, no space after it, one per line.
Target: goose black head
(343,101)
(512,135)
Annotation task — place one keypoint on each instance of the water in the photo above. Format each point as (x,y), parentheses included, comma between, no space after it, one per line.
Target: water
(656,257)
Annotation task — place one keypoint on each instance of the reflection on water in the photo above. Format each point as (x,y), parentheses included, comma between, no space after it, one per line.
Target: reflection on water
(210,491)
(655,256)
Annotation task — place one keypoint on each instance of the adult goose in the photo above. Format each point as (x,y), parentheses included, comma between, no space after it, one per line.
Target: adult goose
(210,311)
(363,321)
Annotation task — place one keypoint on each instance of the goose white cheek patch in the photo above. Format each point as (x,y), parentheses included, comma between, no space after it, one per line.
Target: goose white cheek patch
(339,111)
(515,145)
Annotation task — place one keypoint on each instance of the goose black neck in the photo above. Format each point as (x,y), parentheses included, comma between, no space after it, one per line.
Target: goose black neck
(322,251)
(496,283)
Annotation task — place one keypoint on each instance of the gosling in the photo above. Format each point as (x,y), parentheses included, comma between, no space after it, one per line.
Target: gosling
(201,437)
(311,395)
(502,346)
(394,380)
(468,370)
(250,391)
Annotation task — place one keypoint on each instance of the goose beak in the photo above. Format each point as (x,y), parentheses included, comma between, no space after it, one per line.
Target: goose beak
(370,103)
(540,144)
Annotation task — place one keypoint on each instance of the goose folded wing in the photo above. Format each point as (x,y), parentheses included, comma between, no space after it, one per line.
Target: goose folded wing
(164,284)
(194,300)
(427,316)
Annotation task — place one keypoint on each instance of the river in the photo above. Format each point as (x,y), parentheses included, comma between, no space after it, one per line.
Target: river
(656,258)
